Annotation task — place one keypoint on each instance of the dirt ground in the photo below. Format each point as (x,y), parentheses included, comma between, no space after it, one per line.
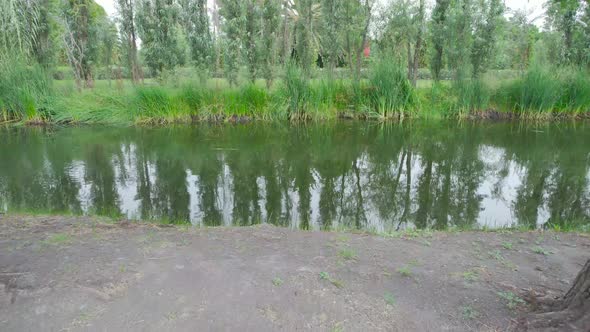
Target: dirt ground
(84,274)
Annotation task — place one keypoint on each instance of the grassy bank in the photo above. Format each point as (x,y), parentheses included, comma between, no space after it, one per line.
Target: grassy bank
(28,95)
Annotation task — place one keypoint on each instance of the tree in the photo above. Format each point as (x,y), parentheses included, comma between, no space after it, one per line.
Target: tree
(437,32)
(44,36)
(195,21)
(109,45)
(251,38)
(358,15)
(304,29)
(19,23)
(330,32)
(485,25)
(561,15)
(270,22)
(81,38)
(418,47)
(232,13)
(157,21)
(128,31)
(405,24)
(572,309)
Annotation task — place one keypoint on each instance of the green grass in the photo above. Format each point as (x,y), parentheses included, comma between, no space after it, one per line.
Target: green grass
(470,275)
(405,271)
(512,300)
(58,239)
(541,251)
(347,254)
(389,299)
(542,91)
(469,313)
(24,90)
(335,282)
(277,281)
(27,94)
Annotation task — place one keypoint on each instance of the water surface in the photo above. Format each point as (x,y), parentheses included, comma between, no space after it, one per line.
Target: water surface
(380,177)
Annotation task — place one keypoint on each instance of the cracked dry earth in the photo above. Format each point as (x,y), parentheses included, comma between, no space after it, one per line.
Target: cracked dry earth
(85,274)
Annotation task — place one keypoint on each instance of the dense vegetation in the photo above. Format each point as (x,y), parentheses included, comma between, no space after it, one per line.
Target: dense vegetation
(163,61)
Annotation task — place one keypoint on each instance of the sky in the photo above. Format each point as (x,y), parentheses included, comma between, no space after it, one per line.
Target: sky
(533,7)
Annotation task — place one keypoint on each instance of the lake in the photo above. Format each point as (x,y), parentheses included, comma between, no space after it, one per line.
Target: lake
(340,175)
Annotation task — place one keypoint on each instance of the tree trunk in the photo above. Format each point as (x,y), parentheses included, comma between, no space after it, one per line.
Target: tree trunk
(569,313)
(418,47)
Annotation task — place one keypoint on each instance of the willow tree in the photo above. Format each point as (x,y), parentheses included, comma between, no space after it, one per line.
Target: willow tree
(562,15)
(195,21)
(485,25)
(303,38)
(252,31)
(330,32)
(158,29)
(270,25)
(233,22)
(437,35)
(128,30)
(17,20)
(358,15)
(81,21)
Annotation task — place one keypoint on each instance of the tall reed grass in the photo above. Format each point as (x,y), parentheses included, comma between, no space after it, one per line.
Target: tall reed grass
(542,91)
(389,90)
(24,91)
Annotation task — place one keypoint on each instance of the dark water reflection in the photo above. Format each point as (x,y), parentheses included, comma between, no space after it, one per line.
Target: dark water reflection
(324,176)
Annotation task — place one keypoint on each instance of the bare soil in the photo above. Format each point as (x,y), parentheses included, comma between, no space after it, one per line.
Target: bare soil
(85,274)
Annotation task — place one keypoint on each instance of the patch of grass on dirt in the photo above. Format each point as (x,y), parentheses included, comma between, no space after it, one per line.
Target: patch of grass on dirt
(469,313)
(342,238)
(389,299)
(277,281)
(347,254)
(335,282)
(507,245)
(540,251)
(405,271)
(58,239)
(497,255)
(512,300)
(337,328)
(470,275)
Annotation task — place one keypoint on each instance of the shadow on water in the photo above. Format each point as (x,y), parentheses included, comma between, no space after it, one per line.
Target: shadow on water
(380,177)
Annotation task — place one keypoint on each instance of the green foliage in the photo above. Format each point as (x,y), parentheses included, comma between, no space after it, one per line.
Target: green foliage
(330,32)
(405,271)
(19,24)
(277,281)
(232,11)
(469,313)
(512,300)
(390,91)
(252,40)
(347,254)
(157,22)
(545,90)
(472,94)
(326,276)
(437,32)
(295,91)
(270,24)
(24,90)
(195,20)
(389,299)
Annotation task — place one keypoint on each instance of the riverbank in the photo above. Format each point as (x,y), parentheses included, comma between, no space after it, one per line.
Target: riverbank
(78,273)
(385,94)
